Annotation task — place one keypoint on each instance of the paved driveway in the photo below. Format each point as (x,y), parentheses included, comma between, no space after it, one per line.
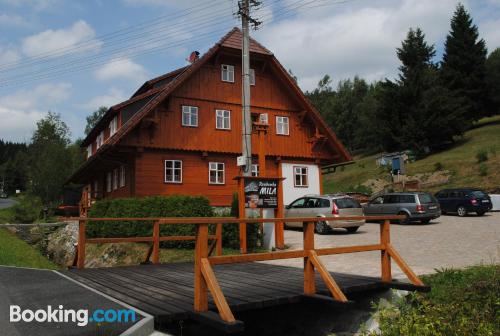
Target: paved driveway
(448,241)
(6,202)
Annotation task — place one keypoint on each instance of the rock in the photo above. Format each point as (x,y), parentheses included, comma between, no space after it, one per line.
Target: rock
(61,244)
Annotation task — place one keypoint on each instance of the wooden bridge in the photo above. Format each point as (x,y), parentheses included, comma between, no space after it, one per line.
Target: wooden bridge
(180,291)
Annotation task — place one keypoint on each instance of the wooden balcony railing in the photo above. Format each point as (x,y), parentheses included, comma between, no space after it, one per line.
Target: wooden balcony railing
(205,279)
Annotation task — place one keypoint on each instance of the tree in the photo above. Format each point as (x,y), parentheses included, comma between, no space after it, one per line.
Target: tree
(463,68)
(49,161)
(493,80)
(94,118)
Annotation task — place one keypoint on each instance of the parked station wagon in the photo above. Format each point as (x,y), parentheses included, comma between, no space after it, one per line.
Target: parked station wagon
(415,206)
(464,200)
(326,206)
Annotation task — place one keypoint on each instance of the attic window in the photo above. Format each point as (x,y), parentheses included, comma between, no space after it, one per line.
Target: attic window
(227,72)
(113,126)
(89,151)
(99,140)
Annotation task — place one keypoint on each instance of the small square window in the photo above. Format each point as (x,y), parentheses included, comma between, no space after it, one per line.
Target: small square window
(223,119)
(190,116)
(216,173)
(282,125)
(173,171)
(300,177)
(227,73)
(252,77)
(255,170)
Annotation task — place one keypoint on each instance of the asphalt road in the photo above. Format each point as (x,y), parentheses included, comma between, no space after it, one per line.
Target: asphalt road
(6,203)
(449,241)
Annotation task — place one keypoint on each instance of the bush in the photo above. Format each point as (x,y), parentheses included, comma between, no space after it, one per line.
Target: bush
(483,169)
(360,189)
(482,156)
(158,206)
(438,166)
(27,210)
(231,232)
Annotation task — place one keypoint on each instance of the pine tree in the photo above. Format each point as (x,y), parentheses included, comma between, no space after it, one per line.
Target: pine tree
(493,80)
(463,67)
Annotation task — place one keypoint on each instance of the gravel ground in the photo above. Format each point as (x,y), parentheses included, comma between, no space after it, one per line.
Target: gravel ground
(449,241)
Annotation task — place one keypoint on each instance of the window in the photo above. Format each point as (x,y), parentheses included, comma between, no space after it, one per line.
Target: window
(252,77)
(89,151)
(100,140)
(300,176)
(108,182)
(347,203)
(190,116)
(122,176)
(216,173)
(95,189)
(173,171)
(298,203)
(115,178)
(223,119)
(113,126)
(312,203)
(282,125)
(227,72)
(255,170)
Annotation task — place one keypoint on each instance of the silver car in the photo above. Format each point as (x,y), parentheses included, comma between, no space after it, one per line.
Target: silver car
(326,206)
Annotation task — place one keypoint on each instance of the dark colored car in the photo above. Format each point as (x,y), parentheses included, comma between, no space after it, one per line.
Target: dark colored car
(415,206)
(463,201)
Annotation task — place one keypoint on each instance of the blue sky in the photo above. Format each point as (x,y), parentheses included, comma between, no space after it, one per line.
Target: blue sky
(71,57)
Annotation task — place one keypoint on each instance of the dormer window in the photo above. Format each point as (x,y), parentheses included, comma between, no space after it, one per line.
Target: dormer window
(227,73)
(100,140)
(252,77)
(113,126)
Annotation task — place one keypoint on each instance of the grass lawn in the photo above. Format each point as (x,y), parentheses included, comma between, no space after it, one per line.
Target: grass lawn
(461,302)
(15,252)
(460,160)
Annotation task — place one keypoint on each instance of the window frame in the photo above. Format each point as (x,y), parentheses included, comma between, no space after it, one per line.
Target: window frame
(302,185)
(281,118)
(217,172)
(173,171)
(252,77)
(256,170)
(223,119)
(99,140)
(89,151)
(113,126)
(230,70)
(122,177)
(190,115)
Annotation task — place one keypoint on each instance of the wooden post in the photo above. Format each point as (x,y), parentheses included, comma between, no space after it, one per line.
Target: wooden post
(279,227)
(385,240)
(218,234)
(156,242)
(309,283)
(81,244)
(262,151)
(242,214)
(200,285)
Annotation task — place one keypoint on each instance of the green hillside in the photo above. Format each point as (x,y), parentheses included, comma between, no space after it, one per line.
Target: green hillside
(459,163)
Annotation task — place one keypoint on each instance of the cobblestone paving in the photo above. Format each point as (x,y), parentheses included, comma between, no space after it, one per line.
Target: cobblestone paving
(449,241)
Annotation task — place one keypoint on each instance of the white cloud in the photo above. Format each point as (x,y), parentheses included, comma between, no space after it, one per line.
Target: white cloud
(490,31)
(8,55)
(12,20)
(121,69)
(20,110)
(113,97)
(345,41)
(52,40)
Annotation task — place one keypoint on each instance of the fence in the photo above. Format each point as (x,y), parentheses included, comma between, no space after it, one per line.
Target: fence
(204,277)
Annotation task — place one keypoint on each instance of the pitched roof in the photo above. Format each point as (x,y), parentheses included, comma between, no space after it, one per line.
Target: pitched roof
(232,39)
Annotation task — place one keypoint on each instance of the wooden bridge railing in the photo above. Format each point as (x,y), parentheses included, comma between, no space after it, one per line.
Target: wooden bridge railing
(205,279)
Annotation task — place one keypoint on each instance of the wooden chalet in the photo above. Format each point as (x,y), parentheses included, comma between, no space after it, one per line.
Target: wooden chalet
(180,133)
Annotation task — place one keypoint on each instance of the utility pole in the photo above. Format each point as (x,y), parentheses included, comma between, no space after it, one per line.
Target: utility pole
(246,19)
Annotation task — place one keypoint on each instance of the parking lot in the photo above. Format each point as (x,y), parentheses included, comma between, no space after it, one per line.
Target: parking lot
(449,241)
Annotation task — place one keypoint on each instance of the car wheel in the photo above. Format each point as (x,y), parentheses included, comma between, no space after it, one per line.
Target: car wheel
(352,229)
(321,228)
(480,213)
(405,220)
(425,221)
(462,211)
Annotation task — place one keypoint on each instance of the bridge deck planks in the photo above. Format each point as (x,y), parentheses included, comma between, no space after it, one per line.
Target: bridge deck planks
(166,290)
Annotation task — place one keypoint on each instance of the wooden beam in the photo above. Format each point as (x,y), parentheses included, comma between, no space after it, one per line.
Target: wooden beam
(119,240)
(404,266)
(279,227)
(218,237)
(385,259)
(242,215)
(242,258)
(156,242)
(219,299)
(327,277)
(309,281)
(348,249)
(200,285)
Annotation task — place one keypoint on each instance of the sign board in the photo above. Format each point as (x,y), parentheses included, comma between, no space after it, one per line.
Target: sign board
(241,161)
(261,193)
